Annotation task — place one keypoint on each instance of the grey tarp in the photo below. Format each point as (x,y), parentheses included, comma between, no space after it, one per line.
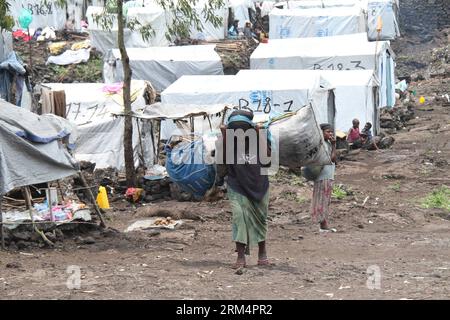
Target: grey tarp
(30,148)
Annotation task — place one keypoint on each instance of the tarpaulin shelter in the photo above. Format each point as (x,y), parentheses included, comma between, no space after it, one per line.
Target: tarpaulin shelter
(163,65)
(267,97)
(31,151)
(100,133)
(348,52)
(355,92)
(315,22)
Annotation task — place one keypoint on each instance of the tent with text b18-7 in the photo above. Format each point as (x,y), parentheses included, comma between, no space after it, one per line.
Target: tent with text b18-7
(265,96)
(355,92)
(348,52)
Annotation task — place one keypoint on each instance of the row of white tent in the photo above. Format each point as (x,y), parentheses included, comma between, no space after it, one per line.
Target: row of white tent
(164,65)
(336,96)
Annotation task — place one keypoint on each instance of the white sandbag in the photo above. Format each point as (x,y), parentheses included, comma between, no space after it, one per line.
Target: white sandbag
(299,139)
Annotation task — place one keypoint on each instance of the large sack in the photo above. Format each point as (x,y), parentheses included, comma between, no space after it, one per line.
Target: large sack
(187,167)
(299,139)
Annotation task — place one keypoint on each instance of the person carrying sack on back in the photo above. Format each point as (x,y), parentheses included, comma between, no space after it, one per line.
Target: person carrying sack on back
(323,184)
(248,188)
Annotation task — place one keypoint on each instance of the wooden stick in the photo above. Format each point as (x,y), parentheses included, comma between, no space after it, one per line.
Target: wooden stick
(49,200)
(1,223)
(140,142)
(159,141)
(94,203)
(60,191)
(27,192)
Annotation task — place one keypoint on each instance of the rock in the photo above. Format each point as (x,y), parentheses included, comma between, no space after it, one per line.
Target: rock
(88,240)
(13,246)
(13,265)
(24,235)
(50,236)
(240,271)
(59,235)
(386,142)
(360,226)
(22,245)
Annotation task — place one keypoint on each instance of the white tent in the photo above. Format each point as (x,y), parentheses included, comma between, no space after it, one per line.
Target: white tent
(263,95)
(349,52)
(209,32)
(355,92)
(387,11)
(154,16)
(100,133)
(44,15)
(307,4)
(315,22)
(105,40)
(240,10)
(164,65)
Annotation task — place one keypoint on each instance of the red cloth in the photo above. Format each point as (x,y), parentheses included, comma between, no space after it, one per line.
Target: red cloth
(19,34)
(353,135)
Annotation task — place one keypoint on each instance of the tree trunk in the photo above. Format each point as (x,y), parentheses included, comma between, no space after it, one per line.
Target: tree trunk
(128,130)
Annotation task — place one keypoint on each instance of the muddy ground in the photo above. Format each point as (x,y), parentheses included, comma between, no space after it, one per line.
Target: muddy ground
(380,225)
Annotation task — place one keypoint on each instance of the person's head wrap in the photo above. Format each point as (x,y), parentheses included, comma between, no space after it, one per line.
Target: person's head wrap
(325,126)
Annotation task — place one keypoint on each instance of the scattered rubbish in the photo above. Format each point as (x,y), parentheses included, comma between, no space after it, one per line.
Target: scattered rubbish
(142,225)
(331,295)
(57,48)
(134,194)
(70,57)
(344,287)
(422,100)
(365,200)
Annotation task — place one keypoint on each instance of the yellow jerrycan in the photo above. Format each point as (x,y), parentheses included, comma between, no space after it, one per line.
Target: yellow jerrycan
(102,198)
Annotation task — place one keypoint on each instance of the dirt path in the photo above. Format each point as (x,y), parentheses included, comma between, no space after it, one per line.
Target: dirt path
(391,232)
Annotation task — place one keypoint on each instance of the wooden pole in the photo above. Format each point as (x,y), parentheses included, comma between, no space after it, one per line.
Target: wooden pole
(159,141)
(1,223)
(31,60)
(27,192)
(60,191)
(50,206)
(94,203)
(140,142)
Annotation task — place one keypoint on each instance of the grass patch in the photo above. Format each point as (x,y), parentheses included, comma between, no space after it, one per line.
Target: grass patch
(395,187)
(438,199)
(293,196)
(289,177)
(338,192)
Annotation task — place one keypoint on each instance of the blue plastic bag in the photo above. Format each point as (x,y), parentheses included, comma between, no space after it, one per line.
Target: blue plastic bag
(186,167)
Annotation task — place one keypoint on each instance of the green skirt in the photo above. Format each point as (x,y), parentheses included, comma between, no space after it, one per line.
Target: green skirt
(249,223)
